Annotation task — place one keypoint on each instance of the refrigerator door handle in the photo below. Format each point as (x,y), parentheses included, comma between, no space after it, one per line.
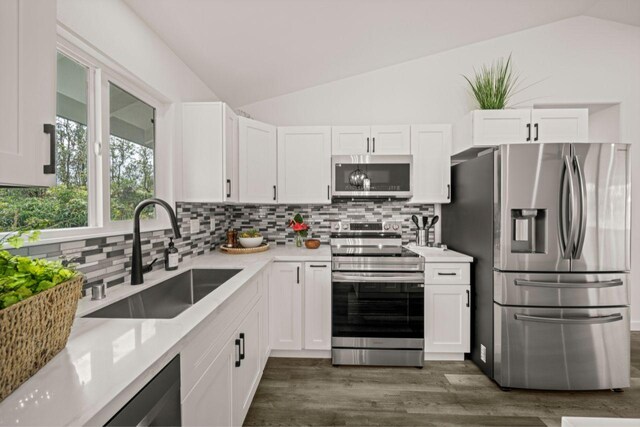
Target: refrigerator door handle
(571,320)
(579,285)
(567,239)
(583,209)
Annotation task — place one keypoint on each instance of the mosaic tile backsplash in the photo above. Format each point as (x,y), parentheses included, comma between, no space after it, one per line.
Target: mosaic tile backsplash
(108,259)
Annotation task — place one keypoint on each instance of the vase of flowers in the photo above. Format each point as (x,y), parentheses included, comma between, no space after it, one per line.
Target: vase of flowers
(299,227)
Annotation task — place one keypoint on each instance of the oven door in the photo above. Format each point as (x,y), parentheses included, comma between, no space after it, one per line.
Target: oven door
(377,310)
(372,176)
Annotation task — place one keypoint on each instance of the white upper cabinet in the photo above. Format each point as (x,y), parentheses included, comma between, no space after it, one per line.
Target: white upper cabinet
(317,306)
(494,127)
(202,152)
(560,125)
(431,150)
(350,140)
(487,128)
(28,92)
(390,140)
(257,161)
(304,164)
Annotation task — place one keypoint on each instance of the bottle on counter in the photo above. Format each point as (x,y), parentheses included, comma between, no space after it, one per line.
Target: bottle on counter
(171,256)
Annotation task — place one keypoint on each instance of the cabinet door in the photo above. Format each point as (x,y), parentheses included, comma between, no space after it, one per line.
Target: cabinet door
(247,376)
(230,131)
(494,127)
(210,402)
(257,162)
(560,125)
(202,152)
(285,305)
(27,91)
(317,306)
(304,164)
(265,340)
(390,140)
(350,140)
(431,149)
(447,318)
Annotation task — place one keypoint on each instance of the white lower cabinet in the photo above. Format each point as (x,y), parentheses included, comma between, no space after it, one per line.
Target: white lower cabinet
(285,305)
(317,306)
(447,318)
(210,402)
(300,306)
(222,364)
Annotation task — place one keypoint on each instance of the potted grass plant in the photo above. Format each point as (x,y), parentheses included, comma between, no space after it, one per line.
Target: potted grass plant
(38,302)
(494,85)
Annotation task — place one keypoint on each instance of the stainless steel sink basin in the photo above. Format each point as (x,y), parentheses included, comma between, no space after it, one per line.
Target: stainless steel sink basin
(169,298)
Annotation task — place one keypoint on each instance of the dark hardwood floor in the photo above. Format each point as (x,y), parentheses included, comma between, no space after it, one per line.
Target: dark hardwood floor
(311,392)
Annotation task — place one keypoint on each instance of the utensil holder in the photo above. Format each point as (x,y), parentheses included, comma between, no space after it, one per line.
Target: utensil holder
(422,237)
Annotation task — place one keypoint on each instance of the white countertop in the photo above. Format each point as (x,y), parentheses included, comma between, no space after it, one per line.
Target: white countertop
(107,361)
(438,255)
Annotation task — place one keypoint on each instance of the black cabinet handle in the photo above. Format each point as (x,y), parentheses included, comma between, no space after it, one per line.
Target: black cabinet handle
(367,144)
(537,129)
(328,192)
(51,167)
(448,191)
(238,360)
(228,188)
(447,274)
(468,298)
(318,266)
(528,131)
(242,346)
(275,193)
(374,144)
(298,275)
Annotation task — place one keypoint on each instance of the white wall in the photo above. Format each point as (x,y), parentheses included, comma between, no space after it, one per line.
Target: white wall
(114,30)
(578,60)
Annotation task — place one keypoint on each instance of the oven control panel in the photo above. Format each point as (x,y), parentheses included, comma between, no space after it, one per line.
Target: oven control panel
(394,227)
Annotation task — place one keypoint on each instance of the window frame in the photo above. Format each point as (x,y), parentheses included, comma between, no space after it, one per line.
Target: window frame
(100,75)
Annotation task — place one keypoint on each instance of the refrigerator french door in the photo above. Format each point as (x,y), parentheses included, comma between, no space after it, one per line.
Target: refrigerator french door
(560,287)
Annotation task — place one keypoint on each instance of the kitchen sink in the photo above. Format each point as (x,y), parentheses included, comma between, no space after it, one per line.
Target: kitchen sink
(167,299)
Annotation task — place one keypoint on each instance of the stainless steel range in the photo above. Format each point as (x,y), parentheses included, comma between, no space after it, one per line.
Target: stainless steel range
(377,296)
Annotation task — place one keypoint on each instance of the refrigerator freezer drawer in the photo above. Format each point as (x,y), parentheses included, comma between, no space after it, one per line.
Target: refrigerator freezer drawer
(562,348)
(561,290)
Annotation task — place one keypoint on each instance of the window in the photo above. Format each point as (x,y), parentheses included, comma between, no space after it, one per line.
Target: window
(131,154)
(66,204)
(106,154)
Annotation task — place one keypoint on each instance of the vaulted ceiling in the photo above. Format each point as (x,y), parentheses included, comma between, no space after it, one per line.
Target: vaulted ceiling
(250,50)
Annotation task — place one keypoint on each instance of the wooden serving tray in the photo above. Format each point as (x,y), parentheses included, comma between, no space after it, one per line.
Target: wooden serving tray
(237,251)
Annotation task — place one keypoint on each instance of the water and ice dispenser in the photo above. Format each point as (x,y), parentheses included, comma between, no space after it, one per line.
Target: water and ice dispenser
(529,231)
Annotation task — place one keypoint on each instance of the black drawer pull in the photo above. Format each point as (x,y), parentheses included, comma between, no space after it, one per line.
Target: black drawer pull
(447,274)
(318,266)
(242,346)
(528,131)
(228,188)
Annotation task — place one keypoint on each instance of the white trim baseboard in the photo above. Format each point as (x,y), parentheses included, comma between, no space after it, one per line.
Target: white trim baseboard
(311,354)
(443,356)
(635,325)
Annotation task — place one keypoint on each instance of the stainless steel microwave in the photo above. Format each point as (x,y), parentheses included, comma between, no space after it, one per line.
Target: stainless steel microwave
(372,176)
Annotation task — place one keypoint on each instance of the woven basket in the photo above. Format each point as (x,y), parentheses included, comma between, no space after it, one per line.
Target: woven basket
(35,330)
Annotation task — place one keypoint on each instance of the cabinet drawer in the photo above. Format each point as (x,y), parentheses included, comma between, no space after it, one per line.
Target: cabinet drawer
(446,273)
(206,341)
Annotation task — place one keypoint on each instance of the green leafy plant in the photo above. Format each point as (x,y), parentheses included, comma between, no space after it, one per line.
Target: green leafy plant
(494,85)
(250,233)
(22,277)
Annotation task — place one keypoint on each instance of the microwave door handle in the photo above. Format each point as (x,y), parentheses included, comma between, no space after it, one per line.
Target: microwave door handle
(582,229)
(570,285)
(571,320)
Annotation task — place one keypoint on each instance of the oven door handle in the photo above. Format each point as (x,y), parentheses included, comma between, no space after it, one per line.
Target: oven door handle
(408,278)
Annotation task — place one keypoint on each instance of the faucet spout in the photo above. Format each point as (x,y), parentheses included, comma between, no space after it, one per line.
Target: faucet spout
(136,257)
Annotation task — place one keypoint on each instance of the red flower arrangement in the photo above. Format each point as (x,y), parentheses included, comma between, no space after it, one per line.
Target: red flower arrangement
(299,227)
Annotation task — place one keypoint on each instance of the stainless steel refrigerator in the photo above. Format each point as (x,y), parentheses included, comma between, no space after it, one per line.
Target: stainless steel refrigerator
(549,228)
